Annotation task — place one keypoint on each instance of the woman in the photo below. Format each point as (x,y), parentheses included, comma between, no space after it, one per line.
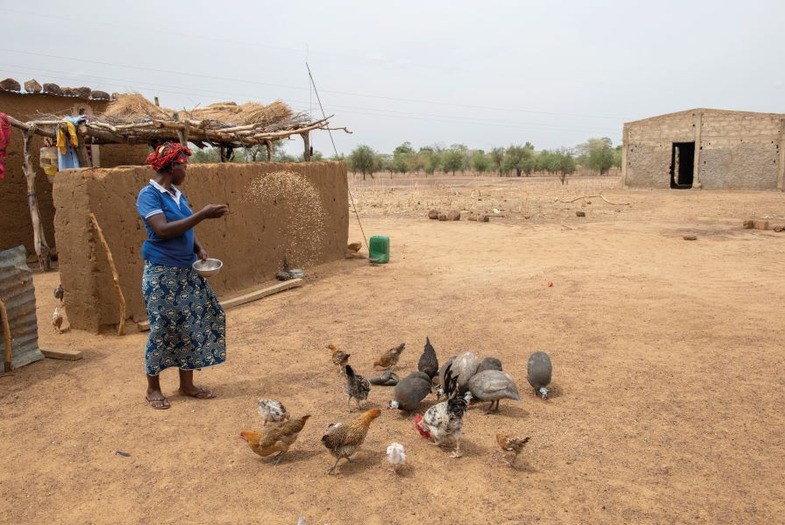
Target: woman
(187,324)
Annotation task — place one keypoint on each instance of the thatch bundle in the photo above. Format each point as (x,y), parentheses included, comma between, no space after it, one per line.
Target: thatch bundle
(242,114)
(133,107)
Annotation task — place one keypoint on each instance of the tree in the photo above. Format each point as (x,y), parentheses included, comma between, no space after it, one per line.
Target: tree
(497,159)
(362,159)
(597,154)
(207,155)
(565,163)
(519,158)
(403,158)
(480,161)
(431,158)
(454,158)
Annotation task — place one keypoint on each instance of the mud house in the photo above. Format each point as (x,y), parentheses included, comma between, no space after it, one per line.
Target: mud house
(295,212)
(706,148)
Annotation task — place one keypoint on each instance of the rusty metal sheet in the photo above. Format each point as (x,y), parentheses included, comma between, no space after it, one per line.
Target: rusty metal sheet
(18,294)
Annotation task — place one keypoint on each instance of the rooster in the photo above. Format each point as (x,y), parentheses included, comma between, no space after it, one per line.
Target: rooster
(276,439)
(343,439)
(340,358)
(272,410)
(444,420)
(356,387)
(390,358)
(59,293)
(511,444)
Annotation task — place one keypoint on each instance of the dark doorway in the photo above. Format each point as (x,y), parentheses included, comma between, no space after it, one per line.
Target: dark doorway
(682,164)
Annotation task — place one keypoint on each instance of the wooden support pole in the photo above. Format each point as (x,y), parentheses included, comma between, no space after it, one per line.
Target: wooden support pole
(81,148)
(697,183)
(115,275)
(41,247)
(307,145)
(269,146)
(8,358)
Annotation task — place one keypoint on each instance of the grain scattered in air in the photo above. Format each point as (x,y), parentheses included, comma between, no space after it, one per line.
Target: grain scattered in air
(291,195)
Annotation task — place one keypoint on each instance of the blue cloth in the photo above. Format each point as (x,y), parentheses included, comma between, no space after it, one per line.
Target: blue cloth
(69,159)
(177,251)
(187,323)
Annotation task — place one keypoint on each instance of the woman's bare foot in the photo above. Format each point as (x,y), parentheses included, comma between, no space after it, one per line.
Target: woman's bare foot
(157,400)
(197,392)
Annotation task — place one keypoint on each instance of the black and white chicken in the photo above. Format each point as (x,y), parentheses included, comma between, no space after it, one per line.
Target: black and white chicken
(356,387)
(444,421)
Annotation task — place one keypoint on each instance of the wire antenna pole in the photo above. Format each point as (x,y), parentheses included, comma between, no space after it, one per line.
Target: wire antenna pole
(324,115)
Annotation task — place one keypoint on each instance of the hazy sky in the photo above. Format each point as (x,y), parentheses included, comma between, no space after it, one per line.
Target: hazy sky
(553,73)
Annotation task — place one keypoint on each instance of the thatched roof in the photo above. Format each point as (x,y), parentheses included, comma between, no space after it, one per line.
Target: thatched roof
(131,118)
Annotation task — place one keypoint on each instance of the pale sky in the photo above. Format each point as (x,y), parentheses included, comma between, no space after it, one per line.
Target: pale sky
(483,74)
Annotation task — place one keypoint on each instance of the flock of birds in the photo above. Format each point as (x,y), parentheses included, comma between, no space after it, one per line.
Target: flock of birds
(462,380)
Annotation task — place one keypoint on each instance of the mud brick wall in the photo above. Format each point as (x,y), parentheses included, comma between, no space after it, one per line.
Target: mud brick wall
(298,211)
(737,150)
(16,227)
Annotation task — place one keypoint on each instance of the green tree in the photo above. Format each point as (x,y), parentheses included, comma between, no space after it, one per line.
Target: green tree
(497,159)
(362,159)
(565,163)
(208,155)
(519,158)
(480,161)
(597,154)
(454,158)
(431,158)
(403,158)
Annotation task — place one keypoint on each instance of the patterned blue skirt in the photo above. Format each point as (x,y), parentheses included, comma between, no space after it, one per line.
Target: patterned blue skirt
(187,324)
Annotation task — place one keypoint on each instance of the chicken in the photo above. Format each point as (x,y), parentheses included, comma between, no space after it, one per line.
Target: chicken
(538,372)
(354,247)
(340,358)
(428,363)
(343,439)
(59,293)
(275,439)
(396,456)
(410,391)
(57,319)
(511,444)
(493,386)
(272,410)
(440,380)
(356,387)
(390,358)
(444,421)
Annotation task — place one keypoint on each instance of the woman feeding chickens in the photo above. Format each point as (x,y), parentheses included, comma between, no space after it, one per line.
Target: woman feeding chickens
(187,324)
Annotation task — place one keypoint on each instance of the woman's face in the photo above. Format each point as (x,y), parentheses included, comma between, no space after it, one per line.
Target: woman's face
(178,173)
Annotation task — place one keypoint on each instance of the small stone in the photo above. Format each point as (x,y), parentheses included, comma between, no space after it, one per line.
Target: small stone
(433,214)
(52,89)
(483,218)
(580,213)
(748,225)
(442,216)
(454,215)
(690,238)
(83,92)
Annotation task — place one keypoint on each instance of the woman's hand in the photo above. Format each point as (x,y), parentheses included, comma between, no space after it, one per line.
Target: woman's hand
(201,253)
(214,211)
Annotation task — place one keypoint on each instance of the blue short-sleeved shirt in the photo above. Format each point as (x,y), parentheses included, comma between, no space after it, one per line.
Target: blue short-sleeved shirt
(177,251)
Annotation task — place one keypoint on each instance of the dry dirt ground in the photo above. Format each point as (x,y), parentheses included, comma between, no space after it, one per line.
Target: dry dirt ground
(668,365)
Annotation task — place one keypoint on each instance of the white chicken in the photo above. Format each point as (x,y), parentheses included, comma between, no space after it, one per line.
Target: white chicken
(272,410)
(57,319)
(396,456)
(444,421)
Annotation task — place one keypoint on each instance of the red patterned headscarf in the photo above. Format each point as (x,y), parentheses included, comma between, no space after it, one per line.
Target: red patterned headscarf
(167,155)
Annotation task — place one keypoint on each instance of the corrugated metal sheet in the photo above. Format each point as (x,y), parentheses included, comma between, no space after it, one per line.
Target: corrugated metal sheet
(18,294)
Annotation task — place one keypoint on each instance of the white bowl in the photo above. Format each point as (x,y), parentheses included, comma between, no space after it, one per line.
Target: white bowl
(208,267)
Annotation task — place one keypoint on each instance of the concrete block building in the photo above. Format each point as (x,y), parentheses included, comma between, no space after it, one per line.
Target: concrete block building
(705,148)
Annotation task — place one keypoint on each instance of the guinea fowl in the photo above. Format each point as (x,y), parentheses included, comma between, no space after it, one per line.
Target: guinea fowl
(428,363)
(356,387)
(410,391)
(489,363)
(493,386)
(538,373)
(463,368)
(440,380)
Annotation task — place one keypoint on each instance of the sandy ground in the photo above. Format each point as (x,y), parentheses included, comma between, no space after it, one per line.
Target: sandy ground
(668,366)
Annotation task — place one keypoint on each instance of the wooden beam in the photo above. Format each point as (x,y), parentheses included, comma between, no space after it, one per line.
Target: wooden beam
(246,298)
(115,275)
(39,240)
(68,355)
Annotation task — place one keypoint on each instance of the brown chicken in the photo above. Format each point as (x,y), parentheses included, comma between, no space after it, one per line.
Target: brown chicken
(511,444)
(354,247)
(276,439)
(340,358)
(343,439)
(390,358)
